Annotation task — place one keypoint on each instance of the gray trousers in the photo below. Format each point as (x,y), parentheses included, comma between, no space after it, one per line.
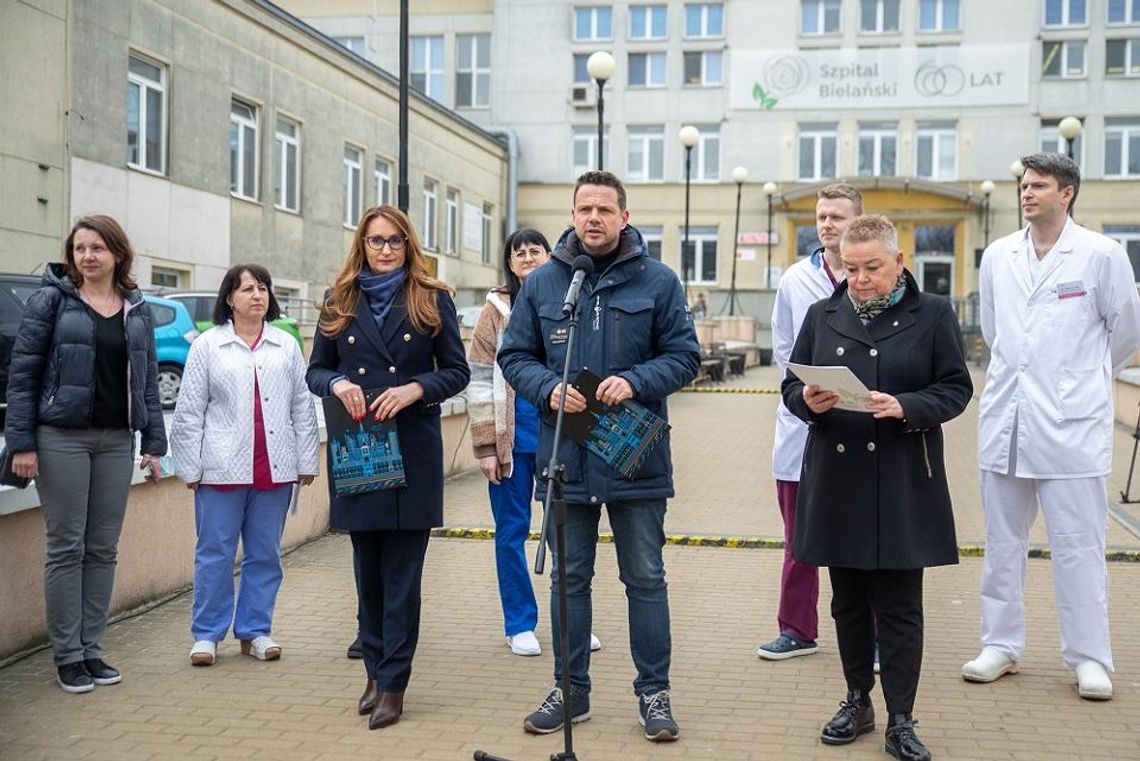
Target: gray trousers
(84,477)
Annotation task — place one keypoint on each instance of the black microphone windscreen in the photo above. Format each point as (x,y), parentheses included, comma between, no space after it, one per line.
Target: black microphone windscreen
(584,263)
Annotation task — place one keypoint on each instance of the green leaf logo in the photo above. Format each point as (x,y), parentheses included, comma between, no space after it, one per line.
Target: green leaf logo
(761,96)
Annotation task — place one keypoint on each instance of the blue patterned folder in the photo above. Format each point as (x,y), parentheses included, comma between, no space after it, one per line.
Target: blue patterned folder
(364,456)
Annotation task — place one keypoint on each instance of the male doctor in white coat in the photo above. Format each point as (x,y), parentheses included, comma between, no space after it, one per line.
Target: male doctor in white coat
(1061,316)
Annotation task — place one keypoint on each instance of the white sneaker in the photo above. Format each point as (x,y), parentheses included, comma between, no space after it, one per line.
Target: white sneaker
(262,648)
(990,665)
(524,643)
(595,643)
(1093,682)
(203,653)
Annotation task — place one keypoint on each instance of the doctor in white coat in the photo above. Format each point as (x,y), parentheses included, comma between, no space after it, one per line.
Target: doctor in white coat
(1061,316)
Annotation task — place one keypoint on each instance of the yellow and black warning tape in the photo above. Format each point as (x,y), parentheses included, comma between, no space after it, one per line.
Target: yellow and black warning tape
(1112,554)
(728,390)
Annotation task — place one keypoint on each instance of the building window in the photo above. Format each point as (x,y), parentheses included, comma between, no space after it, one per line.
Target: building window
(878,149)
(937,15)
(706,154)
(382,181)
(646,155)
(652,240)
(243,150)
(581,69)
(1127,236)
(146,115)
(807,240)
(819,16)
(168,277)
(1052,142)
(451,228)
(488,210)
(647,22)
(1065,13)
(936,151)
(879,16)
(473,70)
(704,20)
(426,66)
(1063,59)
(593,23)
(698,261)
(355,44)
(287,178)
(585,149)
(1124,11)
(1122,58)
(430,213)
(1121,148)
(353,181)
(704,68)
(646,69)
(817,151)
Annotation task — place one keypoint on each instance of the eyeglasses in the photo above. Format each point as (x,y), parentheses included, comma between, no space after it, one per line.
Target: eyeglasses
(523,254)
(395,242)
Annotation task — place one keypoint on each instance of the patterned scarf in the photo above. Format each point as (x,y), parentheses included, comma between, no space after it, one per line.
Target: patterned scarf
(873,307)
(381,291)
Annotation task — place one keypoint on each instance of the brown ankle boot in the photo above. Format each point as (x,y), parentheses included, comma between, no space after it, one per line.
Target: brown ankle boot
(389,706)
(368,699)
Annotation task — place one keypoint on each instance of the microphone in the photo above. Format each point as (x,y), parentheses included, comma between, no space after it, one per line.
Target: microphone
(583,268)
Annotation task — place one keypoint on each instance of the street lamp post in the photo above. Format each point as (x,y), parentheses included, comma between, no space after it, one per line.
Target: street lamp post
(600,66)
(1017,169)
(688,135)
(769,191)
(402,181)
(739,175)
(1070,128)
(987,189)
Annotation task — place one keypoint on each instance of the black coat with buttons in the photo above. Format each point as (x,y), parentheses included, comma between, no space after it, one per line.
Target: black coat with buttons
(873,493)
(376,358)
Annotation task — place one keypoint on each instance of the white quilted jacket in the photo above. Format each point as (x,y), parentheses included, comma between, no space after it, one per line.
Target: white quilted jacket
(211,436)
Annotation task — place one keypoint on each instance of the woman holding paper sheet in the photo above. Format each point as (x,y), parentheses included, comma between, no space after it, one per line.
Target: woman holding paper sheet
(388,326)
(873,505)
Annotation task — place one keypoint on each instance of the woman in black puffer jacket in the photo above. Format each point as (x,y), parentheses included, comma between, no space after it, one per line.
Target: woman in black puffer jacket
(82,379)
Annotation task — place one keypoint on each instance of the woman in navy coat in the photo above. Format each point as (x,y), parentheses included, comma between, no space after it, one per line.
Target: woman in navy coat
(388,326)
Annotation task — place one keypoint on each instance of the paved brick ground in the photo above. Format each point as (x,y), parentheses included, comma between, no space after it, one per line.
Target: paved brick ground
(468,692)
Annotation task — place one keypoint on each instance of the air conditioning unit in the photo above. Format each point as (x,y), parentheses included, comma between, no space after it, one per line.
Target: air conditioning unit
(582,96)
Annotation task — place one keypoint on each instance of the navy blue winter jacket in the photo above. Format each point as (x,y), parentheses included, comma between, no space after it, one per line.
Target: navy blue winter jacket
(51,378)
(633,323)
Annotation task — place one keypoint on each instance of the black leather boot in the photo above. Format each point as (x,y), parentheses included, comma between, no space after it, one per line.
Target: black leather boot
(856,716)
(902,742)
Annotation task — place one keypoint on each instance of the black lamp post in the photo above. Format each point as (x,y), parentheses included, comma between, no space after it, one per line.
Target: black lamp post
(1017,169)
(987,189)
(689,136)
(600,66)
(739,175)
(402,184)
(1070,128)
(769,191)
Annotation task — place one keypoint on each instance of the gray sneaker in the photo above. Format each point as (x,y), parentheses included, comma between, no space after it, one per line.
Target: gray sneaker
(786,646)
(549,716)
(656,714)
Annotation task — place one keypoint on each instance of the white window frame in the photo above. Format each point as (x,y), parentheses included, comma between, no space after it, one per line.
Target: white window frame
(1124,237)
(480,95)
(146,85)
(817,134)
(704,33)
(1051,141)
(1131,14)
(654,234)
(1131,58)
(936,134)
(821,8)
(652,140)
(382,180)
(648,11)
(881,17)
(698,237)
(283,143)
(180,276)
(244,126)
(650,82)
(451,222)
(710,134)
(352,181)
(941,23)
(876,133)
(589,137)
(1066,54)
(431,213)
(1125,131)
(485,254)
(706,81)
(353,42)
(1066,14)
(432,70)
(595,11)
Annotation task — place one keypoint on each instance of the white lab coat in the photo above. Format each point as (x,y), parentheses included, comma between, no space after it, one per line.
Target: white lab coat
(1055,344)
(803,284)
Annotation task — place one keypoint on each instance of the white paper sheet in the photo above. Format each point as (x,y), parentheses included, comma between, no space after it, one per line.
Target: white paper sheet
(853,395)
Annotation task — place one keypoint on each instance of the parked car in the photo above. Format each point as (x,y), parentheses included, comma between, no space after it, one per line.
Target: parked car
(468,316)
(201,307)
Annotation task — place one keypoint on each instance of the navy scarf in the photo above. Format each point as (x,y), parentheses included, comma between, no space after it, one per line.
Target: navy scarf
(381,291)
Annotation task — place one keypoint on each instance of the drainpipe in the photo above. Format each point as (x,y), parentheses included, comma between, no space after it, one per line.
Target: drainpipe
(512,174)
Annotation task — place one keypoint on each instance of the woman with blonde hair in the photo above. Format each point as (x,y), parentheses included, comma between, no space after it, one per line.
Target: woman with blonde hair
(388,329)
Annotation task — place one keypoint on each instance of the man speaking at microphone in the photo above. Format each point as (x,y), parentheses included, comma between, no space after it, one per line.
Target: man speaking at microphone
(636,333)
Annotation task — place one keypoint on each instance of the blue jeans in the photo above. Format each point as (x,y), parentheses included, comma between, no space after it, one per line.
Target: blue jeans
(510,504)
(222,517)
(639,535)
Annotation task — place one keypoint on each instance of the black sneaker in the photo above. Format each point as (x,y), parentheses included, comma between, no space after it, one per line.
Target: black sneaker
(549,716)
(786,646)
(101,673)
(656,715)
(73,677)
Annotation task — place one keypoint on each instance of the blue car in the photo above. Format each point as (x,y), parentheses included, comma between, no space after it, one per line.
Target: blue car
(174,331)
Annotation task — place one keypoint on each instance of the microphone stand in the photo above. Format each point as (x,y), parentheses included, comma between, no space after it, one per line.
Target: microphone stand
(1124,495)
(555,504)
